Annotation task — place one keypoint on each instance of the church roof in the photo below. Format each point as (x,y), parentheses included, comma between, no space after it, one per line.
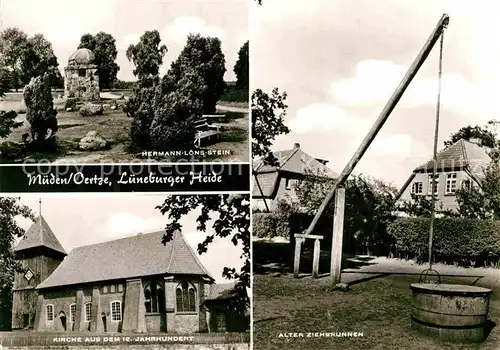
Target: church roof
(136,256)
(81,56)
(39,235)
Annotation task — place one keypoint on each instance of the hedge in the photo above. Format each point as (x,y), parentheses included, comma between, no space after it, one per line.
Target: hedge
(455,240)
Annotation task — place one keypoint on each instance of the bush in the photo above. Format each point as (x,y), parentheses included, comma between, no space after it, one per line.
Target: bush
(139,107)
(70,103)
(177,105)
(455,240)
(40,109)
(285,221)
(264,225)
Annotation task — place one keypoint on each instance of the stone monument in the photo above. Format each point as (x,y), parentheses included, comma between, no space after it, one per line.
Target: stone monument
(81,78)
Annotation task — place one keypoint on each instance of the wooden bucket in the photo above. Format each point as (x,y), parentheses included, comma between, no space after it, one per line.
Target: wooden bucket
(451,312)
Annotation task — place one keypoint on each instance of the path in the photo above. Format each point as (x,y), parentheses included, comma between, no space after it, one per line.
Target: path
(382,265)
(232,109)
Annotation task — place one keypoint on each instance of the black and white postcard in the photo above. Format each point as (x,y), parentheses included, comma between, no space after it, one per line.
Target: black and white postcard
(124,81)
(375,174)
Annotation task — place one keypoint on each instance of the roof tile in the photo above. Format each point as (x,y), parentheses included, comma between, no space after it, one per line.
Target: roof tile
(136,256)
(39,235)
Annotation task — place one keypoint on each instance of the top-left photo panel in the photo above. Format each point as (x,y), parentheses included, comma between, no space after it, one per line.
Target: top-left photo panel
(120,81)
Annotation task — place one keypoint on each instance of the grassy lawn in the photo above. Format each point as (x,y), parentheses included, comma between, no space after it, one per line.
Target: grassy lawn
(377,305)
(114,126)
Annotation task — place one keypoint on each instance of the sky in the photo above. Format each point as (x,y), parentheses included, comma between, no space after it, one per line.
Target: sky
(63,23)
(340,61)
(90,218)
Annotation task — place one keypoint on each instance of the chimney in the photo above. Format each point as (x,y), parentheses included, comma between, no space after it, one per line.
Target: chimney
(296,145)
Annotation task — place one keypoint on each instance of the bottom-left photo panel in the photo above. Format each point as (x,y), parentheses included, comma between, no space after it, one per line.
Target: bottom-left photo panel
(125,270)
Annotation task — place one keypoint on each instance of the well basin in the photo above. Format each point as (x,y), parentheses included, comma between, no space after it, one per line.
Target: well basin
(451,312)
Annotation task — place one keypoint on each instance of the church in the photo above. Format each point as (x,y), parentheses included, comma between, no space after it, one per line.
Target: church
(134,284)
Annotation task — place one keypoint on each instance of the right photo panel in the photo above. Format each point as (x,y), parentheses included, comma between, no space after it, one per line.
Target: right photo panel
(375,170)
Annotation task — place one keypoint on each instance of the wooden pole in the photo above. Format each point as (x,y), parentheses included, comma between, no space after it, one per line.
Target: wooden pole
(296,261)
(317,250)
(389,107)
(338,233)
(434,155)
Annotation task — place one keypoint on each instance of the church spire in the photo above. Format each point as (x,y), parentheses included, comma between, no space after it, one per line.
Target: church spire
(40,206)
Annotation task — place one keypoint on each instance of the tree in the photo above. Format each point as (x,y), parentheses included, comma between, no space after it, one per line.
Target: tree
(241,67)
(40,110)
(10,208)
(103,45)
(230,218)
(482,201)
(268,113)
(203,56)
(369,208)
(38,59)
(7,118)
(177,105)
(140,108)
(485,134)
(13,43)
(147,56)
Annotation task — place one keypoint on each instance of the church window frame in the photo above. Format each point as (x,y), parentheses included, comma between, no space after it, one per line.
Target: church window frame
(154,295)
(88,311)
(49,308)
(72,313)
(116,310)
(185,298)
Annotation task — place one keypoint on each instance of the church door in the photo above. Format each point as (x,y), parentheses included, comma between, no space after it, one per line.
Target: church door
(221,321)
(62,319)
(26,320)
(105,325)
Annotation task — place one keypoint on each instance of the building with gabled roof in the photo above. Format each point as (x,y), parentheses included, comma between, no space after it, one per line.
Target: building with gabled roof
(460,165)
(226,315)
(40,253)
(275,175)
(132,284)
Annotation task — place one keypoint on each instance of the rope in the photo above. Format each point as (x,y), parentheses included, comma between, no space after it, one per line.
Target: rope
(436,133)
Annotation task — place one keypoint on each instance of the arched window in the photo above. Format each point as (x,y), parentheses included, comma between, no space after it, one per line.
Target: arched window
(72,312)
(186,297)
(154,298)
(116,311)
(50,312)
(88,312)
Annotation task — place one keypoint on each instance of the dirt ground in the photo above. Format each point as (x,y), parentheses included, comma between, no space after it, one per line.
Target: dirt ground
(114,126)
(378,303)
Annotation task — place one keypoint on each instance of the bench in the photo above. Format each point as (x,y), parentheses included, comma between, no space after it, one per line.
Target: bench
(205,131)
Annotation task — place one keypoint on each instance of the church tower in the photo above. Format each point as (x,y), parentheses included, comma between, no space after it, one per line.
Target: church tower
(40,253)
